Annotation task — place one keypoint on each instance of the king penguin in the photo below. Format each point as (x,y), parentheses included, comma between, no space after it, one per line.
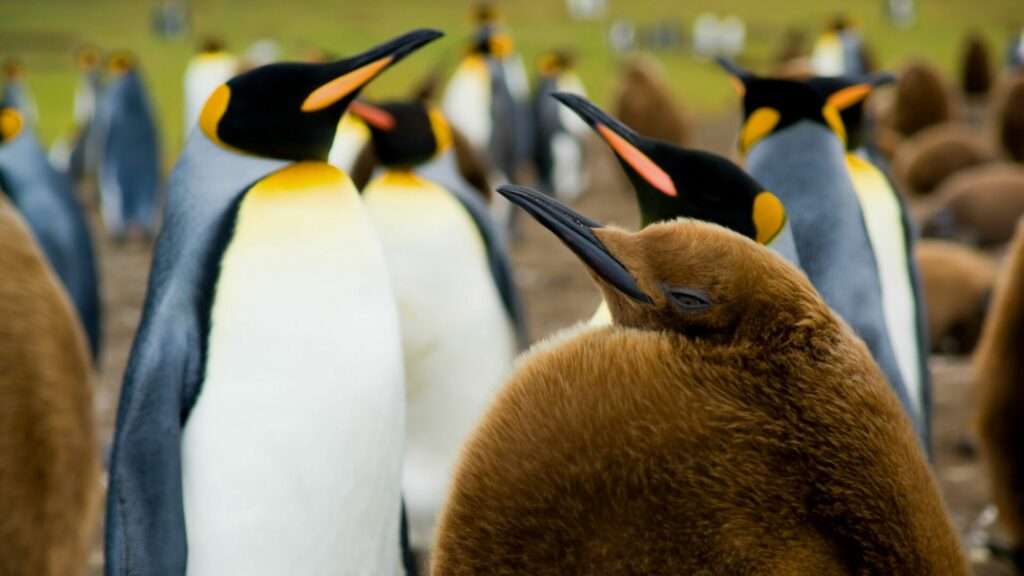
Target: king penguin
(129,165)
(727,423)
(456,298)
(261,418)
(45,199)
(794,140)
(558,148)
(892,234)
(208,69)
(673,182)
(84,153)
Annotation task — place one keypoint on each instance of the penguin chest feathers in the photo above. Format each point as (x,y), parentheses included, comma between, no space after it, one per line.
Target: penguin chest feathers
(292,454)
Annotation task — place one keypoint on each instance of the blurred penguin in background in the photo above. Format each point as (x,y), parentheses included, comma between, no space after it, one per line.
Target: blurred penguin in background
(558,149)
(129,168)
(487,100)
(1011,121)
(840,49)
(262,415)
(462,324)
(49,465)
(208,69)
(1015,50)
(16,92)
(85,151)
(976,74)
(644,101)
(45,199)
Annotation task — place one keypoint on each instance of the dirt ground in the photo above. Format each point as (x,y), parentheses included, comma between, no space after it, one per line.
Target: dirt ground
(557,292)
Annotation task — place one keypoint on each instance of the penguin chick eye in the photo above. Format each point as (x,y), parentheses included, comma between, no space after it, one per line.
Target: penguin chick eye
(689,301)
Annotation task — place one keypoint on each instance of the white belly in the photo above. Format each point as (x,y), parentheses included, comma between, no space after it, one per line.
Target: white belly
(885,229)
(350,139)
(467,102)
(458,340)
(291,458)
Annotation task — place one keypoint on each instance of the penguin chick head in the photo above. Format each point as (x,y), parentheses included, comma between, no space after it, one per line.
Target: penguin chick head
(771,105)
(671,181)
(405,134)
(290,111)
(11,123)
(693,278)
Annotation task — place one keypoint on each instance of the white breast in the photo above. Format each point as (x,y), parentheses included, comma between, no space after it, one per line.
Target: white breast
(885,229)
(291,457)
(458,340)
(467,102)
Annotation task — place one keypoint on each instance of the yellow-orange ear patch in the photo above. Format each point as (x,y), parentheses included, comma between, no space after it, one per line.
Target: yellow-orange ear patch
(769,217)
(441,129)
(759,124)
(639,161)
(344,85)
(835,121)
(11,123)
(849,96)
(214,109)
(738,84)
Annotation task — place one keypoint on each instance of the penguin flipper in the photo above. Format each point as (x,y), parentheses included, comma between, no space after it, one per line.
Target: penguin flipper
(497,259)
(145,524)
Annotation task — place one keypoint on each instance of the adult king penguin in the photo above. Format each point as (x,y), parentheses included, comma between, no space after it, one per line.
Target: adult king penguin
(672,182)
(44,197)
(558,149)
(129,164)
(456,298)
(261,418)
(727,423)
(794,140)
(892,234)
(84,153)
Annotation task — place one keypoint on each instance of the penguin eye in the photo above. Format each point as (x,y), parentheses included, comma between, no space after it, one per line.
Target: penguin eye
(690,301)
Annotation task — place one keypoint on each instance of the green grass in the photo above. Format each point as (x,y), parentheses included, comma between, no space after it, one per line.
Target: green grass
(44,34)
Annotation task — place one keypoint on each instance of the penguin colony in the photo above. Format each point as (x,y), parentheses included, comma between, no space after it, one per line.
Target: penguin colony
(325,376)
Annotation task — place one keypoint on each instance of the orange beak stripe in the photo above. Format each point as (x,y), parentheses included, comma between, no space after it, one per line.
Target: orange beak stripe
(650,171)
(372,115)
(342,86)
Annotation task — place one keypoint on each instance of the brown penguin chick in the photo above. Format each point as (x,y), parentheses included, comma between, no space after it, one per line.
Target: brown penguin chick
(979,205)
(48,461)
(644,101)
(924,161)
(999,386)
(923,99)
(976,77)
(957,283)
(1011,120)
(728,423)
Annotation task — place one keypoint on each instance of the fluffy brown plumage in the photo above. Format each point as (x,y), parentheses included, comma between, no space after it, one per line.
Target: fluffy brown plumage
(1011,120)
(48,461)
(999,385)
(980,205)
(976,76)
(957,283)
(923,99)
(756,436)
(924,161)
(644,101)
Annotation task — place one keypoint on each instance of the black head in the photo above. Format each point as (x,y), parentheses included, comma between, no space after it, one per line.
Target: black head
(120,63)
(771,105)
(672,182)
(491,39)
(847,94)
(87,58)
(405,134)
(291,110)
(11,123)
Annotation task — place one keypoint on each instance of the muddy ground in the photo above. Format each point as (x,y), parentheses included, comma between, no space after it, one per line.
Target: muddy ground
(557,292)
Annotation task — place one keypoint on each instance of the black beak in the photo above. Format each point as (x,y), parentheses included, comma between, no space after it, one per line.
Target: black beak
(577,232)
(742,74)
(594,116)
(397,48)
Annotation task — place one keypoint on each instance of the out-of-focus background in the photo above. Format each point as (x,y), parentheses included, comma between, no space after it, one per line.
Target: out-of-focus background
(43,36)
